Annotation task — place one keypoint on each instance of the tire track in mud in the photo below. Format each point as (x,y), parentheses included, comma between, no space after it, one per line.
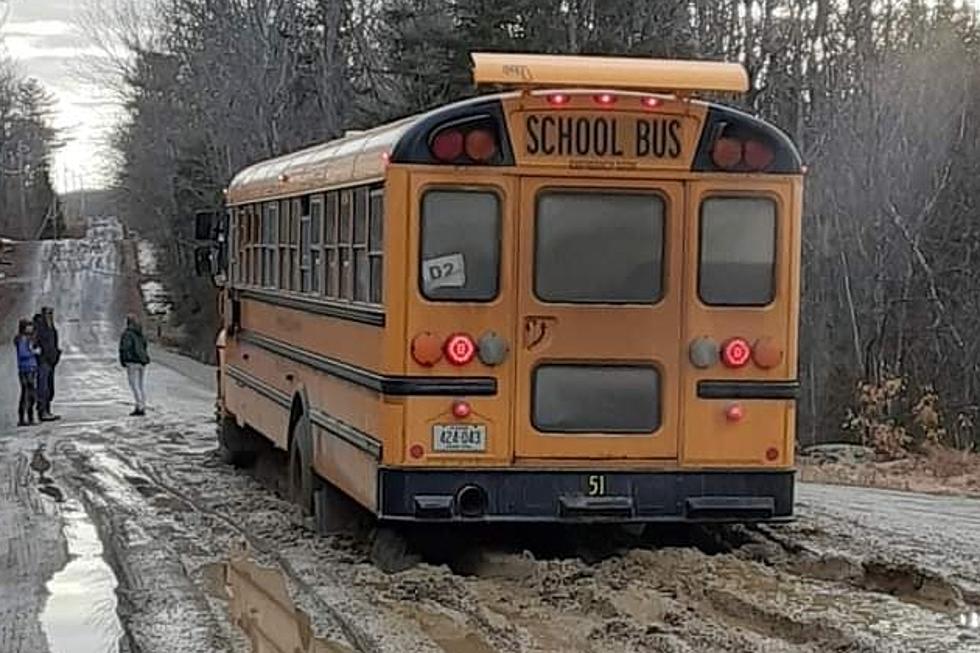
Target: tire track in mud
(641,599)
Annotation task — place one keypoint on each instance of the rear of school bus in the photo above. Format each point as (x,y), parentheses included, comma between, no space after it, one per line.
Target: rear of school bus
(606,279)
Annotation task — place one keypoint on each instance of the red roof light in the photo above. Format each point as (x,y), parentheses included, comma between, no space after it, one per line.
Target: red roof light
(447,145)
(558,99)
(651,102)
(605,99)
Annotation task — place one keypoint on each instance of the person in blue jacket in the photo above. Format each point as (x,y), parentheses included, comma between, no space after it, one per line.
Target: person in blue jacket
(27,353)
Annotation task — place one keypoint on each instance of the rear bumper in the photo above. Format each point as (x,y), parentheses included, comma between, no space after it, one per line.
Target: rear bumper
(584,496)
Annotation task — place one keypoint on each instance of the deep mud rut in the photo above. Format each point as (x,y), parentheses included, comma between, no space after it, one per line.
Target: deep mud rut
(209,558)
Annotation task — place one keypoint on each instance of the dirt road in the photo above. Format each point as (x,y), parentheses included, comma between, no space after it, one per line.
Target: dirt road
(175,552)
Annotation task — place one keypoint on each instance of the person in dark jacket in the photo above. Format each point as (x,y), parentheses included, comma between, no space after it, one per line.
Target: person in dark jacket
(134,357)
(27,353)
(47,339)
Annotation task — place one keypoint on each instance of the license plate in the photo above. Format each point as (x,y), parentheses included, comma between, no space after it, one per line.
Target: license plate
(459,437)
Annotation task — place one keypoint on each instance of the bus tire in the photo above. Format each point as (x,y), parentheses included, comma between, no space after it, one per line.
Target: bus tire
(301,480)
(235,444)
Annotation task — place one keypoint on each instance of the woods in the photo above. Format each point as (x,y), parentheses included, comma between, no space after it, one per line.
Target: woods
(27,141)
(882,96)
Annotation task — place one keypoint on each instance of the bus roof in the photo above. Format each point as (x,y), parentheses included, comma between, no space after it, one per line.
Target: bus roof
(639,74)
(362,157)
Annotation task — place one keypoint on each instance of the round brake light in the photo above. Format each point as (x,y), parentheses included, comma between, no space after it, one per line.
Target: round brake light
(480,145)
(447,145)
(727,153)
(460,349)
(736,353)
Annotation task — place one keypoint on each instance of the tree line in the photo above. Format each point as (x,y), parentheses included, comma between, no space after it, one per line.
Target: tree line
(882,96)
(27,143)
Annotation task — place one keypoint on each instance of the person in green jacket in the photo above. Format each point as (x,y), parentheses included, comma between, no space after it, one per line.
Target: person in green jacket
(134,357)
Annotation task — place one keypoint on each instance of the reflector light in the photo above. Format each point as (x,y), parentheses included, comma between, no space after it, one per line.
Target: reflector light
(734,413)
(448,145)
(461,409)
(558,99)
(727,153)
(651,102)
(416,451)
(480,145)
(736,353)
(605,99)
(460,349)
(758,155)
(772,453)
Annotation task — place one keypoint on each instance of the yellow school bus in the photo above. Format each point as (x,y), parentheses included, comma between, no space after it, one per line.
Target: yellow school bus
(572,299)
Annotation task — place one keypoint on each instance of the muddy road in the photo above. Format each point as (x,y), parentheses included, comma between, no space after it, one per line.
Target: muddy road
(143,541)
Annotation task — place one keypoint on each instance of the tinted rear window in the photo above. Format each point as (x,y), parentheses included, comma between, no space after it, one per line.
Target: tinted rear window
(594,247)
(460,258)
(596,399)
(738,251)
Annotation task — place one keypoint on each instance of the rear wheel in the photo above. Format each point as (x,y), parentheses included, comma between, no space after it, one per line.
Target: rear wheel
(301,479)
(237,445)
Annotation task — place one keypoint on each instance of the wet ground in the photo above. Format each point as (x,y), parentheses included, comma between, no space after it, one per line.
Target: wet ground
(144,541)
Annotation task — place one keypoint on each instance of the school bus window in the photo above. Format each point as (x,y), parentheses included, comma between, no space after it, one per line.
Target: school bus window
(315,211)
(362,271)
(269,244)
(284,244)
(460,258)
(599,247)
(596,399)
(306,283)
(738,251)
(376,243)
(344,245)
(331,286)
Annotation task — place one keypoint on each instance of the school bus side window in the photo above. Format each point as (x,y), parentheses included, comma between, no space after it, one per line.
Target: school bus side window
(738,251)
(460,257)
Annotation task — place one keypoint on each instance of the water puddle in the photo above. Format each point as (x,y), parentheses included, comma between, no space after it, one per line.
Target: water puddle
(260,605)
(80,613)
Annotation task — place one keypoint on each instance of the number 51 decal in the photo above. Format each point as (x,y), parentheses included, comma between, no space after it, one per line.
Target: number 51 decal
(597,485)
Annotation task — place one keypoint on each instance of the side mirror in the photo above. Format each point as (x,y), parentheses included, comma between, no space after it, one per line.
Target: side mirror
(203,262)
(205,225)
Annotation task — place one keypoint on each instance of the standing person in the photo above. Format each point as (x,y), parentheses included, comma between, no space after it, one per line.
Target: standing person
(134,357)
(47,339)
(27,353)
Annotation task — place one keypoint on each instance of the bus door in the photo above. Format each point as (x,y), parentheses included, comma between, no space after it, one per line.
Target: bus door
(599,319)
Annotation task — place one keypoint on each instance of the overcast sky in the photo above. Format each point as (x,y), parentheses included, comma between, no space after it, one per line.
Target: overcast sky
(42,38)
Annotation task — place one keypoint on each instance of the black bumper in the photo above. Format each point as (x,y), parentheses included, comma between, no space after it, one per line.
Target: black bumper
(585,496)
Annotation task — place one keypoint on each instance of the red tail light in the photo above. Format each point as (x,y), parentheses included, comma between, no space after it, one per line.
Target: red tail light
(735,353)
(460,349)
(447,145)
(480,145)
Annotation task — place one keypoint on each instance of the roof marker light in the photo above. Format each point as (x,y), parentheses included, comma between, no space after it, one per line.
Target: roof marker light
(558,99)
(651,102)
(605,99)
(447,145)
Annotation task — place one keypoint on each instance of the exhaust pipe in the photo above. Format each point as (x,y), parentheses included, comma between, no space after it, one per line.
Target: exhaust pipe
(471,501)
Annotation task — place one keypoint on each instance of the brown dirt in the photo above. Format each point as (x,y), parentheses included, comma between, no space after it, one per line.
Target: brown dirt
(938,471)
